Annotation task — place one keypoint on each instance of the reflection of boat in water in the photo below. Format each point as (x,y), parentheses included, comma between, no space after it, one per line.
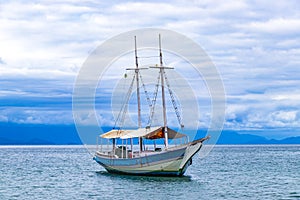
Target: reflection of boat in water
(169,160)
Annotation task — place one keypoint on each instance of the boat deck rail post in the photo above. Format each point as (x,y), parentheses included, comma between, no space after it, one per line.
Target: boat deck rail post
(126,155)
(107,144)
(97,143)
(101,148)
(139,150)
(122,149)
(131,145)
(113,150)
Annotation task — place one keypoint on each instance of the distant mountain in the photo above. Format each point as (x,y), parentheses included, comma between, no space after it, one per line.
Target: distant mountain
(17,134)
(35,141)
(232,137)
(290,140)
(5,141)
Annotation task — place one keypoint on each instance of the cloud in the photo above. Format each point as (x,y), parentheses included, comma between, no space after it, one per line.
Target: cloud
(254,45)
(2,61)
(263,111)
(31,115)
(275,27)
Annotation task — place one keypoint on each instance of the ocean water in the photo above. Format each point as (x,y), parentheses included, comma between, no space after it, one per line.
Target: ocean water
(228,172)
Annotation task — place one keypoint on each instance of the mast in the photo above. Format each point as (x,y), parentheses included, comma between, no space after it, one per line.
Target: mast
(161,71)
(138,92)
(137,84)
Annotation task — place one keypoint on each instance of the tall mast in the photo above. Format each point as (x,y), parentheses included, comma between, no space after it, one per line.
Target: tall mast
(163,94)
(137,85)
(138,92)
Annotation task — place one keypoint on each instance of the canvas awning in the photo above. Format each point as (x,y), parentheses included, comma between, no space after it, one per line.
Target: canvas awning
(148,133)
(114,134)
(141,132)
(172,134)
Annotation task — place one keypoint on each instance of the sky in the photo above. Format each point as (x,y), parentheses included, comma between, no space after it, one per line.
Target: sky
(255,46)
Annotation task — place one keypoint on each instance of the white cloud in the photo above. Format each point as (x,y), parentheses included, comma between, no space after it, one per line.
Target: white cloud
(287,96)
(36,115)
(277,26)
(2,61)
(3,118)
(255,46)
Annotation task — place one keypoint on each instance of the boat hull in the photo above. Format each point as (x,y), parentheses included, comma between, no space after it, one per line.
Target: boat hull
(172,162)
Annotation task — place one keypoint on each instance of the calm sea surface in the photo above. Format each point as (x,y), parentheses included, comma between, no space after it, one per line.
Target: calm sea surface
(228,172)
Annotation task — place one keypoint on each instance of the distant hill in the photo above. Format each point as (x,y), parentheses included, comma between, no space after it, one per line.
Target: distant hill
(5,141)
(232,137)
(290,140)
(17,134)
(36,141)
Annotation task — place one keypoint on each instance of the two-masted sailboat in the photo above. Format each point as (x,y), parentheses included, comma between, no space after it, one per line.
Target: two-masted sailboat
(148,157)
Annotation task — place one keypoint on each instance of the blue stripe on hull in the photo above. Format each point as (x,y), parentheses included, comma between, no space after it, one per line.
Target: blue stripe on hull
(141,161)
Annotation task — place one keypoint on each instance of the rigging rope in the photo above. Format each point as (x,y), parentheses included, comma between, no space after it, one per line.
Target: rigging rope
(122,114)
(173,101)
(123,109)
(148,56)
(154,101)
(146,92)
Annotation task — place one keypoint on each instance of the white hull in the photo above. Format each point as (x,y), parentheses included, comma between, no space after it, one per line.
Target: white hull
(171,162)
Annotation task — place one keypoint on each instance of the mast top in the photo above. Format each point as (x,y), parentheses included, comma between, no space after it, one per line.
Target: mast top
(136,57)
(160,52)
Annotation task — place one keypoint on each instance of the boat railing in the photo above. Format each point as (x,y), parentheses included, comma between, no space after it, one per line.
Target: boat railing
(124,150)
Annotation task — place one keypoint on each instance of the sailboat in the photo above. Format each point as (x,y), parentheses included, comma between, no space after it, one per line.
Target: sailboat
(145,159)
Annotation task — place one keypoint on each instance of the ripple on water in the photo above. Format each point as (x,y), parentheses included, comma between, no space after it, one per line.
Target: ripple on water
(228,172)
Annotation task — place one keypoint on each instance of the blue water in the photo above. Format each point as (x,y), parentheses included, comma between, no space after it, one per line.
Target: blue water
(228,172)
